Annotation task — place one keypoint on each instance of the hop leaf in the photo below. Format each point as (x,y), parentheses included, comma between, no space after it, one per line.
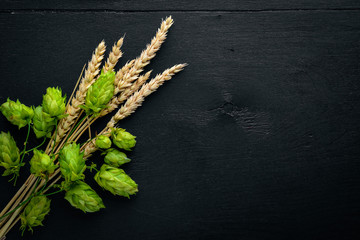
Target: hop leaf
(81,196)
(17,113)
(123,139)
(9,154)
(100,93)
(41,164)
(115,158)
(103,142)
(116,181)
(35,212)
(54,103)
(72,163)
(43,123)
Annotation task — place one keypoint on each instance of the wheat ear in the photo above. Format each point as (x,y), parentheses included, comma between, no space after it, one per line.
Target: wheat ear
(114,55)
(147,54)
(73,109)
(151,49)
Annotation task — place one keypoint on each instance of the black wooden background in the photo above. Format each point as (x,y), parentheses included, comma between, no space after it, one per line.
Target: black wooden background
(257,139)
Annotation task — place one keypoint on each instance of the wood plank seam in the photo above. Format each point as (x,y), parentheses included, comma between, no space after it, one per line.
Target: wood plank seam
(169,10)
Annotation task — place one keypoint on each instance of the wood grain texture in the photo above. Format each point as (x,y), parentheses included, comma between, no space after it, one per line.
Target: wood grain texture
(258,138)
(179,5)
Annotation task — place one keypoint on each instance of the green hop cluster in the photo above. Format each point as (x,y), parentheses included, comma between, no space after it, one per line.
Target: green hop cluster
(41,164)
(17,113)
(72,163)
(43,123)
(123,139)
(35,212)
(116,181)
(115,158)
(54,103)
(103,142)
(81,196)
(9,154)
(99,93)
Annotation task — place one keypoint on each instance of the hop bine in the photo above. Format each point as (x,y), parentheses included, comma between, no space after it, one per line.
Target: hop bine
(116,181)
(43,123)
(17,113)
(72,163)
(123,139)
(115,158)
(82,196)
(100,93)
(103,142)
(54,103)
(9,155)
(41,164)
(35,212)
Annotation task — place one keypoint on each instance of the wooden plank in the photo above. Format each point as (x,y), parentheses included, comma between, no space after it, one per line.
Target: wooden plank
(180,5)
(257,139)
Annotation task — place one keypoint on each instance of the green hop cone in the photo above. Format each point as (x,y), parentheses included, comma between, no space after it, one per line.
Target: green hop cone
(43,123)
(72,163)
(35,212)
(123,139)
(82,196)
(115,158)
(17,113)
(41,164)
(103,142)
(54,103)
(9,154)
(116,181)
(99,93)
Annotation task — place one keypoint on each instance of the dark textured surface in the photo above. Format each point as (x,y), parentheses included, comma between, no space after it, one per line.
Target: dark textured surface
(257,139)
(180,5)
